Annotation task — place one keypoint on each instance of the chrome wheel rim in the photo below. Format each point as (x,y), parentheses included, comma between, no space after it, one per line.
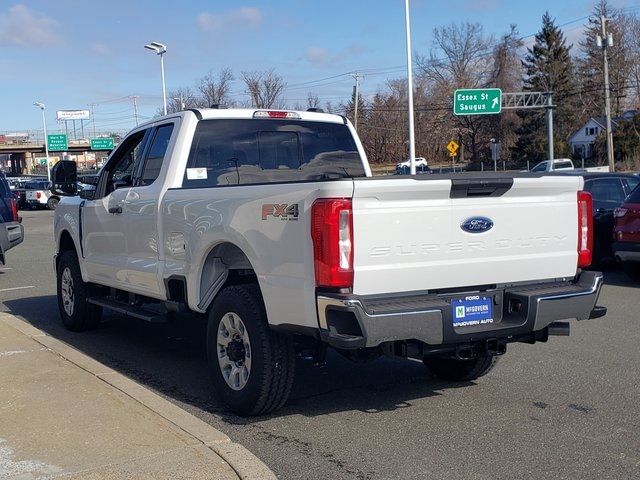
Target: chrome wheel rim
(68,293)
(234,351)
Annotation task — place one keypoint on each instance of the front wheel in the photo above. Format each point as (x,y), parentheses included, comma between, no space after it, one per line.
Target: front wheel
(77,314)
(455,370)
(52,203)
(252,367)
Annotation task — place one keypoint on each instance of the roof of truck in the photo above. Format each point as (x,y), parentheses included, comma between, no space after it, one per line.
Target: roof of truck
(248,113)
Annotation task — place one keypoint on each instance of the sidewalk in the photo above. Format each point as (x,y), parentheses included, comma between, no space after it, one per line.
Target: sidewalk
(64,415)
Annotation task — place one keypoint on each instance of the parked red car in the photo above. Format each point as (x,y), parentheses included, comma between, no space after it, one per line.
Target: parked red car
(626,234)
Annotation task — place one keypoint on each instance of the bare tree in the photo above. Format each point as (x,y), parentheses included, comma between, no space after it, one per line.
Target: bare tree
(216,90)
(265,88)
(181,99)
(459,56)
(633,42)
(312,100)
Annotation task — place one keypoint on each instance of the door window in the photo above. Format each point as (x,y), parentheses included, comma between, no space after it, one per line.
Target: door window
(631,183)
(157,151)
(118,172)
(605,191)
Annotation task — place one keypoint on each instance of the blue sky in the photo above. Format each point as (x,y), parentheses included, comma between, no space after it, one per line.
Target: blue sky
(71,53)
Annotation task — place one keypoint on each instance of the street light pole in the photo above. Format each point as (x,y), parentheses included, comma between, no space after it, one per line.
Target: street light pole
(605,42)
(41,106)
(160,49)
(412,142)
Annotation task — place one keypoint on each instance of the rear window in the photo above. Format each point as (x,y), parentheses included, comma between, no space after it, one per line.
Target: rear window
(634,197)
(250,151)
(36,185)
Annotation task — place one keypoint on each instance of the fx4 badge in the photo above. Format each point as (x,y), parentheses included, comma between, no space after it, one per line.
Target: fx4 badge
(281,211)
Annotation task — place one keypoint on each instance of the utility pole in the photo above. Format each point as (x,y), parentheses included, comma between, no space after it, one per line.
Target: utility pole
(356,95)
(135,107)
(412,142)
(605,41)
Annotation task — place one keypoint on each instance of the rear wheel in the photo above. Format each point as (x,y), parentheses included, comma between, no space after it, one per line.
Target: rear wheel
(460,370)
(76,313)
(52,203)
(632,269)
(252,367)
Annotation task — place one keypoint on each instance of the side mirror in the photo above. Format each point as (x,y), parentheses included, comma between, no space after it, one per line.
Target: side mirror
(65,171)
(64,177)
(87,194)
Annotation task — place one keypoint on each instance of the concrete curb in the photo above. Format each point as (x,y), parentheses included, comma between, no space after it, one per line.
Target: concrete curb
(246,465)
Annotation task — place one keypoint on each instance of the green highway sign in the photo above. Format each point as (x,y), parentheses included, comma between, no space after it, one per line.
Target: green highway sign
(102,143)
(57,142)
(477,101)
(41,161)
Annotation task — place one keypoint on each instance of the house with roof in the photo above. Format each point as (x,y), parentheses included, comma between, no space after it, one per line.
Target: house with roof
(582,141)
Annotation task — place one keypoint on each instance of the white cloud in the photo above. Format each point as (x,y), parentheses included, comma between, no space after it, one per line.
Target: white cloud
(356,49)
(319,56)
(316,55)
(25,27)
(101,49)
(245,16)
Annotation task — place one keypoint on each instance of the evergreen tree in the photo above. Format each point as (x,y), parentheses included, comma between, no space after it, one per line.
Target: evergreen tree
(548,68)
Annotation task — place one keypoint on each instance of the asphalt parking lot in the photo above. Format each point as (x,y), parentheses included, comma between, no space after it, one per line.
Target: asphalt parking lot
(566,409)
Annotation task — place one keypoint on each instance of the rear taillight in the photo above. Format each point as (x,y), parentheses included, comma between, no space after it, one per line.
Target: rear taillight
(332,236)
(38,195)
(620,212)
(13,206)
(585,229)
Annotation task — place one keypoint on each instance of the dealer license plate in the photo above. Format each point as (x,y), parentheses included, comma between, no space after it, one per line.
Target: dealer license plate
(472,310)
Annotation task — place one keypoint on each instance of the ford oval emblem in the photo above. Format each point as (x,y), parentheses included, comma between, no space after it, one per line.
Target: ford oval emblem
(477,224)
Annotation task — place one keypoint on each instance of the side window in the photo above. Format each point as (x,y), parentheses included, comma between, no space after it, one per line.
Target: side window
(634,197)
(631,183)
(118,172)
(156,154)
(606,190)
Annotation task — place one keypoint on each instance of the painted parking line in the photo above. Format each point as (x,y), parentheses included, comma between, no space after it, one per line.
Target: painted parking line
(4,269)
(15,288)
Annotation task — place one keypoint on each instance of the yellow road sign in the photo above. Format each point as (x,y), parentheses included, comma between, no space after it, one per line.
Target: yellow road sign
(453,146)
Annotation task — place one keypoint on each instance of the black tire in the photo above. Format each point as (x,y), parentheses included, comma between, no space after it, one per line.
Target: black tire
(52,203)
(272,354)
(632,269)
(81,315)
(460,370)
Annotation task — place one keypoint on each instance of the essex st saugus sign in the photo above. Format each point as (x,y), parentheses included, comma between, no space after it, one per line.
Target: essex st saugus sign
(477,101)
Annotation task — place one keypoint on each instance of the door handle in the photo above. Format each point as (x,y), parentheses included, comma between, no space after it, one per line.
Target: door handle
(116,210)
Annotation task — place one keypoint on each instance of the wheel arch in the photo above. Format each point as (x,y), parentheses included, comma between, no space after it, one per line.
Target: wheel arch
(224,264)
(66,242)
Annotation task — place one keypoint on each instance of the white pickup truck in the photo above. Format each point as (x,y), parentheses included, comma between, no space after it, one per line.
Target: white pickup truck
(270,226)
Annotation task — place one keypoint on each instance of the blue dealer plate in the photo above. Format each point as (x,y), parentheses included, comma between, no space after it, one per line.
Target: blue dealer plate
(472,310)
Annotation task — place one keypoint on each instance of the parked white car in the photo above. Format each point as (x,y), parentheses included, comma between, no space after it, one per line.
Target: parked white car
(269,225)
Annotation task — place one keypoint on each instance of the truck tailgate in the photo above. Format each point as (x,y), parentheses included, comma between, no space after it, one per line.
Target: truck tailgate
(408,233)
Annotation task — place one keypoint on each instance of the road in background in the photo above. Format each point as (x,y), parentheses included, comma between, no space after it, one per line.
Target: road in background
(565,409)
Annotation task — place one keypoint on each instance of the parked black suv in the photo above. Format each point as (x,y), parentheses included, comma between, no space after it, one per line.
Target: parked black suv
(11,231)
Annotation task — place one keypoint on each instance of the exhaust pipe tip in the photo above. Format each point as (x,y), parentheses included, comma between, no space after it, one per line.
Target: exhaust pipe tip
(559,329)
